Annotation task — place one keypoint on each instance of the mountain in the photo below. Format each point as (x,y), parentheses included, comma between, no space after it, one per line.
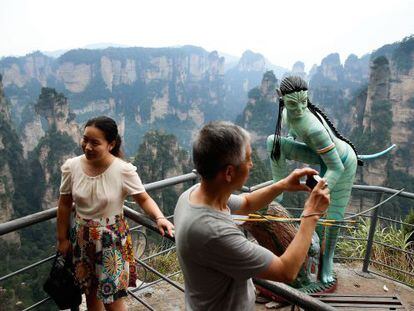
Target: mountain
(246,75)
(298,69)
(160,156)
(230,60)
(94,46)
(388,114)
(260,114)
(60,142)
(169,88)
(11,158)
(370,100)
(332,85)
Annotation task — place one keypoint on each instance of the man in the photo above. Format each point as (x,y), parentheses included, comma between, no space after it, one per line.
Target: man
(217,260)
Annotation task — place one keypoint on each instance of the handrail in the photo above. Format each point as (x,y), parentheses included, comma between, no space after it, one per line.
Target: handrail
(404,194)
(38,217)
(143,220)
(156,185)
(27,221)
(33,265)
(294,296)
(368,188)
(282,289)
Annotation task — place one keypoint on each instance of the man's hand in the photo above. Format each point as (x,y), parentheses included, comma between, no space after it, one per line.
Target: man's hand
(292,182)
(318,200)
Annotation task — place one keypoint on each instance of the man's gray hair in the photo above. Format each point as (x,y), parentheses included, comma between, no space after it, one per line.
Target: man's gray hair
(217,145)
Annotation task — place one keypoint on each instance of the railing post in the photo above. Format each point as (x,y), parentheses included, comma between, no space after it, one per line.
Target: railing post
(195,180)
(371,234)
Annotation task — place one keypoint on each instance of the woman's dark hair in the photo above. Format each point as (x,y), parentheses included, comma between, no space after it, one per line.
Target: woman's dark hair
(296,84)
(110,129)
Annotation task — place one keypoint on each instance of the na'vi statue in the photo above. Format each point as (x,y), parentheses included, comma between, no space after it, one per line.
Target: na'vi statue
(313,139)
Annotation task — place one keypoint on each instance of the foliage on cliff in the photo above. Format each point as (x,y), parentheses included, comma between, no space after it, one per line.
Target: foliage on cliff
(403,54)
(12,156)
(260,171)
(260,113)
(35,241)
(159,156)
(333,85)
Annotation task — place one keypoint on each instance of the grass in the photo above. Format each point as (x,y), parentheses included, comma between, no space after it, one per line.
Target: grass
(166,264)
(390,235)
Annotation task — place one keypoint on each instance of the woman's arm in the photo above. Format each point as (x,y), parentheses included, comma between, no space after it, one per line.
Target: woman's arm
(151,208)
(63,223)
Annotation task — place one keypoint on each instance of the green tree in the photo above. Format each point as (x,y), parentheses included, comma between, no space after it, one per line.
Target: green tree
(159,157)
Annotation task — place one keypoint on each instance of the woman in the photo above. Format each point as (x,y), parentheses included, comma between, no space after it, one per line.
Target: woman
(98,182)
(320,144)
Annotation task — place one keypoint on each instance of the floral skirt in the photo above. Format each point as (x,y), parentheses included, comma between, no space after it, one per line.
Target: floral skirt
(103,256)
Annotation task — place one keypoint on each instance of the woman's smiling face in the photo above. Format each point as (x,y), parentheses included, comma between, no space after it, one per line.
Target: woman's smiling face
(94,144)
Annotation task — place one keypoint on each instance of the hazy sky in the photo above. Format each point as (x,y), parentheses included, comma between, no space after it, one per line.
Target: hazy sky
(283,31)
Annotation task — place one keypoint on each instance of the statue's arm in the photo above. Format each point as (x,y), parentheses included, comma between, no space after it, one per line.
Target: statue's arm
(320,141)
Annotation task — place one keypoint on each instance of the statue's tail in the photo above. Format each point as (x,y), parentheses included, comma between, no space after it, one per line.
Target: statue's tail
(376,155)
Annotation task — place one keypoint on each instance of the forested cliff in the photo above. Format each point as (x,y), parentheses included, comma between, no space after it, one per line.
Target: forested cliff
(369,99)
(160,98)
(172,89)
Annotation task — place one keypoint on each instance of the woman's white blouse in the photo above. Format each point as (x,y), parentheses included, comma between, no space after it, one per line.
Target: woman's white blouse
(103,195)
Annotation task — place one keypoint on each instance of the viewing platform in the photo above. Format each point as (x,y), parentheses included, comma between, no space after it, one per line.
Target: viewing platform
(352,285)
(364,282)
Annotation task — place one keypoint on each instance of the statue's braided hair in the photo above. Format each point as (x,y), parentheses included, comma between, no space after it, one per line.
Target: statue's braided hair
(295,84)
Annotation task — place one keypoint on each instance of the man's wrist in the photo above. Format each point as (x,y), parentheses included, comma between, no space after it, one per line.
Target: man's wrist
(310,220)
(311,217)
(307,215)
(281,185)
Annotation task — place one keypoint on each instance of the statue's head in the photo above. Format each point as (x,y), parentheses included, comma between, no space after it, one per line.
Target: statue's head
(292,84)
(294,94)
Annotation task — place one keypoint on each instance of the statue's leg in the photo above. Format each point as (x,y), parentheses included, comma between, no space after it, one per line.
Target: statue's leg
(340,196)
(290,150)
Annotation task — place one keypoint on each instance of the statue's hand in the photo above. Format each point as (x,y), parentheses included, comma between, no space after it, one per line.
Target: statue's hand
(292,181)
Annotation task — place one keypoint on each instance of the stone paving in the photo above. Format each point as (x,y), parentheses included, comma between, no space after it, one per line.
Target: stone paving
(350,281)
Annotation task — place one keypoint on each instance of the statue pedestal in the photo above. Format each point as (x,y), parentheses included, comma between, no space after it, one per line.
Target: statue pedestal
(312,288)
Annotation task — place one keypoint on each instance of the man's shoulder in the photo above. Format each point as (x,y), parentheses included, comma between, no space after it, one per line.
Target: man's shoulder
(183,203)
(200,224)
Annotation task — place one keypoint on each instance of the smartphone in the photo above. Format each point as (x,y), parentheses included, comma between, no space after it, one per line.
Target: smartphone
(311,181)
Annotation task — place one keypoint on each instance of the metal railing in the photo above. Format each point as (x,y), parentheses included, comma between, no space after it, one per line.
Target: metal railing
(374,225)
(42,216)
(286,292)
(374,220)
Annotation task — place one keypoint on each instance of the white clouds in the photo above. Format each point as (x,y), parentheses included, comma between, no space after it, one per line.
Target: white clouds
(284,31)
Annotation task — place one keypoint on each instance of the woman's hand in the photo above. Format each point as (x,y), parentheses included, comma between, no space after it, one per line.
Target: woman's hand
(64,247)
(152,209)
(165,226)
(292,181)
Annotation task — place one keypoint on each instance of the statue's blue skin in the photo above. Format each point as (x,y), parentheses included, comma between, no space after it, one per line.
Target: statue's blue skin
(318,145)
